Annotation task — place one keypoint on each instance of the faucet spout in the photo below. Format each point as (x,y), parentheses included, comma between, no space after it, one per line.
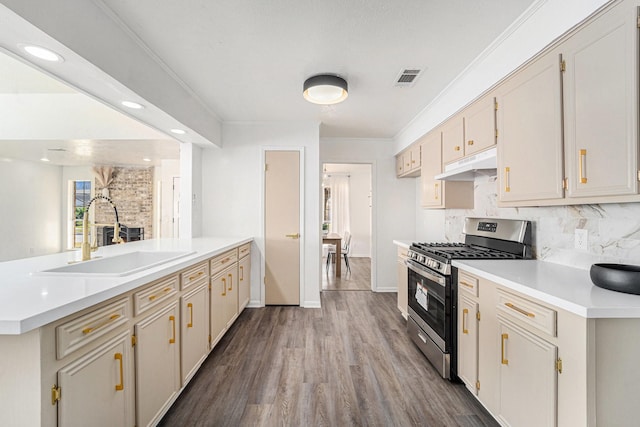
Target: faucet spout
(86,244)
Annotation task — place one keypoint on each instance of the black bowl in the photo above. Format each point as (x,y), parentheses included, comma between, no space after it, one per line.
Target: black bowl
(617,277)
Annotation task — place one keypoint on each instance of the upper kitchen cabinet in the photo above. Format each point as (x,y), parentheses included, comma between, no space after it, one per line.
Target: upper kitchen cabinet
(440,194)
(408,163)
(480,125)
(529,118)
(453,139)
(600,84)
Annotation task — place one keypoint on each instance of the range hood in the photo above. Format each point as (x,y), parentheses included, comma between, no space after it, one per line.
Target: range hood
(465,169)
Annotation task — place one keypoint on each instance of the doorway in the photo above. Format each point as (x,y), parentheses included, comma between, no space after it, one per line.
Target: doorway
(282,227)
(347,206)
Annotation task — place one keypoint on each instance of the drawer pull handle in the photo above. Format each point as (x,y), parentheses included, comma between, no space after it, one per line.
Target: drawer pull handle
(118,357)
(465,313)
(224,287)
(505,337)
(519,310)
(164,291)
(457,148)
(111,318)
(468,285)
(230,282)
(435,190)
(195,276)
(190,307)
(422,337)
(226,260)
(241,273)
(470,142)
(172,340)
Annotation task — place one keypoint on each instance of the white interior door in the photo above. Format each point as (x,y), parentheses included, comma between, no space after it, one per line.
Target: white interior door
(282,227)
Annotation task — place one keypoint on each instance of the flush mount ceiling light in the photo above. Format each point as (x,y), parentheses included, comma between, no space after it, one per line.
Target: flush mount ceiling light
(131,104)
(178,131)
(325,89)
(42,53)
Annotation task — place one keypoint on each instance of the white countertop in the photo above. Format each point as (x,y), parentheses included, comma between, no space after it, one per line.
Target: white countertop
(28,300)
(403,243)
(568,288)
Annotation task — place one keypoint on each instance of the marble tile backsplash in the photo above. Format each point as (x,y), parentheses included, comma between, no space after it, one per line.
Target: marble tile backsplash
(614,229)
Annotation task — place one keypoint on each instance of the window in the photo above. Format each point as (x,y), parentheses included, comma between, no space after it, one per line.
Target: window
(81,197)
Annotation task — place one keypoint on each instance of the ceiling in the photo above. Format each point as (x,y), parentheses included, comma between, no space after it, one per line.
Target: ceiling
(247,60)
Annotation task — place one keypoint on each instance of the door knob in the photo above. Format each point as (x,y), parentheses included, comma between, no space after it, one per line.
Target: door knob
(293,236)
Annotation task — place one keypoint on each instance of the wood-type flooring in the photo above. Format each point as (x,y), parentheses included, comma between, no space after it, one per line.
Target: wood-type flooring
(359,279)
(349,363)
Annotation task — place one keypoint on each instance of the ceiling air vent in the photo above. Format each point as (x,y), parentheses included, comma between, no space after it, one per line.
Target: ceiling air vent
(407,77)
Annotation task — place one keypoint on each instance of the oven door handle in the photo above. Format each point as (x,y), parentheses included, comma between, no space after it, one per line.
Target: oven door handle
(412,265)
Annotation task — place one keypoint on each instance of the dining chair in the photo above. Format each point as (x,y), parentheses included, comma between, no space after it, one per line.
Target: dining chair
(346,246)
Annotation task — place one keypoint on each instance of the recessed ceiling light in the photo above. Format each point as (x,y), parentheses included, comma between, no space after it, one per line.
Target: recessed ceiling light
(44,159)
(178,131)
(146,159)
(42,53)
(131,104)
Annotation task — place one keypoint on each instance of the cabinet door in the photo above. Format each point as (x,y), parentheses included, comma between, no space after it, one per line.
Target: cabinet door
(529,115)
(601,100)
(403,291)
(157,363)
(453,140)
(399,165)
(218,298)
(480,125)
(194,328)
(231,299)
(468,342)
(414,153)
(528,380)
(244,282)
(431,166)
(97,388)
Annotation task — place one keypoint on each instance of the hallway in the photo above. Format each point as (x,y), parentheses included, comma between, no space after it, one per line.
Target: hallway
(358,280)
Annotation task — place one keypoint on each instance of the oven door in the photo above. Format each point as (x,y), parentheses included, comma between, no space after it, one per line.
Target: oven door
(427,298)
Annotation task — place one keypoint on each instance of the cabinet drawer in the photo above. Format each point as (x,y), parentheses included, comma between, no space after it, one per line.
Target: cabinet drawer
(467,284)
(156,293)
(194,275)
(539,317)
(72,335)
(223,261)
(244,250)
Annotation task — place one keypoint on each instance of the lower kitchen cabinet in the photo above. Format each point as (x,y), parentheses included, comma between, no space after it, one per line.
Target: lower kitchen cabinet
(231,295)
(157,364)
(468,342)
(403,283)
(528,384)
(194,330)
(244,281)
(217,303)
(98,386)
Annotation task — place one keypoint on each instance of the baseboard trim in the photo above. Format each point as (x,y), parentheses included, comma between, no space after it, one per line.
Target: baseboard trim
(387,289)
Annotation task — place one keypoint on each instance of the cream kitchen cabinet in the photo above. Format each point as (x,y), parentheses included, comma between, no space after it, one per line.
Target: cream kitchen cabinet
(231,295)
(529,117)
(438,194)
(157,367)
(244,276)
(408,162)
(480,125)
(403,282)
(453,139)
(600,91)
(218,303)
(194,329)
(98,386)
(468,342)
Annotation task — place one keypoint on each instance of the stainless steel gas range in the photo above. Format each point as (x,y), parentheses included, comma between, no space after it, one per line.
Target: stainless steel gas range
(433,282)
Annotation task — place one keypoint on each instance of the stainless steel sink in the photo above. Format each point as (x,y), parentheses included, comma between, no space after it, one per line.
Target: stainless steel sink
(117,265)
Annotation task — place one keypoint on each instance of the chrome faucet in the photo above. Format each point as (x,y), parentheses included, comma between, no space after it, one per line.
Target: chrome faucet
(87,248)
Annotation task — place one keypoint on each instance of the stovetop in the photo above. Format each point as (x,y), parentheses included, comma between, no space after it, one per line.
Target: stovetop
(449,251)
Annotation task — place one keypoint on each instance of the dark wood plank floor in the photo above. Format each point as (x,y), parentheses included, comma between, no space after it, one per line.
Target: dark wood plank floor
(358,280)
(347,364)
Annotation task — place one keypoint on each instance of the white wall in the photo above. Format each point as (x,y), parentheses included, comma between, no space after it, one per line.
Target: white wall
(165,173)
(30,208)
(232,189)
(190,191)
(359,210)
(394,215)
(540,25)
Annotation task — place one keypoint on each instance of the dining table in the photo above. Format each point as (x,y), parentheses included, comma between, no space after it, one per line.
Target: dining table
(335,239)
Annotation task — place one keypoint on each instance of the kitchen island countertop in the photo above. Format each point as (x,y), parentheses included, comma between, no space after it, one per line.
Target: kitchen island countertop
(29,300)
(565,287)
